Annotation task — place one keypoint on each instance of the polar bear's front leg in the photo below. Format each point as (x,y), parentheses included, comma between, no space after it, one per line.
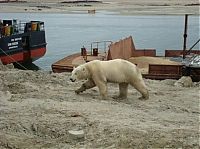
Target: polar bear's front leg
(87,85)
(101,83)
(103,90)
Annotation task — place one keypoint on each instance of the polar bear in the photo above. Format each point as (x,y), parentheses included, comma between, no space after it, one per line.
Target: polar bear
(98,73)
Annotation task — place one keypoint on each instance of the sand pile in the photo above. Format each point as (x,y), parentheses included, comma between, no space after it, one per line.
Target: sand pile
(39,109)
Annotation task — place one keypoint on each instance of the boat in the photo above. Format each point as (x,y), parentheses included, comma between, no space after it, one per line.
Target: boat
(151,65)
(21,42)
(102,50)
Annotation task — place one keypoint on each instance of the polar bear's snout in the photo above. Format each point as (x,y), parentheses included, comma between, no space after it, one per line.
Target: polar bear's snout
(73,80)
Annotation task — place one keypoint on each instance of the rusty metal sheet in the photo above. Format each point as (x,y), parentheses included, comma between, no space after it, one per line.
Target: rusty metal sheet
(122,49)
(161,76)
(176,53)
(165,69)
(144,52)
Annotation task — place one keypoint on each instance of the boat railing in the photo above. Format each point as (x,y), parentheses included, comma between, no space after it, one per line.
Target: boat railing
(21,26)
(12,27)
(97,49)
(31,26)
(100,46)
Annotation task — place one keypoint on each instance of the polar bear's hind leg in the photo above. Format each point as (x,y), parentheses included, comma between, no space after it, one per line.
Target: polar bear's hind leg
(141,87)
(123,89)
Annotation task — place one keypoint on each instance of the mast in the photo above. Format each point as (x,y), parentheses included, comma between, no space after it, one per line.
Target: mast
(185,36)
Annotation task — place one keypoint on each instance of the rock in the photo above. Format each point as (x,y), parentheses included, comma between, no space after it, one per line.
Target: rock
(5,67)
(1,85)
(76,134)
(184,81)
(34,127)
(6,95)
(10,66)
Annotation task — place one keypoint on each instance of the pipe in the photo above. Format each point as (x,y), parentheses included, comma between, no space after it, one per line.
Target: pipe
(185,36)
(193,46)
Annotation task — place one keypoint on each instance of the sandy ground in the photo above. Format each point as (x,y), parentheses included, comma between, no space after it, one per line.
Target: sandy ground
(37,109)
(126,7)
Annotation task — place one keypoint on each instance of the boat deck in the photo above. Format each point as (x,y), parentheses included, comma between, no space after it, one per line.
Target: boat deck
(65,64)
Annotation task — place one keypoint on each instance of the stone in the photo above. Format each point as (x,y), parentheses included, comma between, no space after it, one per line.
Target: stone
(184,81)
(76,134)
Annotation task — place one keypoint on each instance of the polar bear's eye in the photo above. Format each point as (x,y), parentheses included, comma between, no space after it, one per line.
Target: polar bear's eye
(75,73)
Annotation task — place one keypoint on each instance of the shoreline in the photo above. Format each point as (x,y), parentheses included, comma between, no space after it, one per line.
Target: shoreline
(153,7)
(108,13)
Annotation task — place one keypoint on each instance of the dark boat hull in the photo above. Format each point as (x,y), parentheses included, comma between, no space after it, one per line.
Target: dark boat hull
(22,47)
(24,56)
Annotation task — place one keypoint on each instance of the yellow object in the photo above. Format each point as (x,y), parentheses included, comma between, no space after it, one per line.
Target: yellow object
(11,30)
(7,30)
(33,26)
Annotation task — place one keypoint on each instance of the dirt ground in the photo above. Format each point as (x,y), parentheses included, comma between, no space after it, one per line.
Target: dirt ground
(37,109)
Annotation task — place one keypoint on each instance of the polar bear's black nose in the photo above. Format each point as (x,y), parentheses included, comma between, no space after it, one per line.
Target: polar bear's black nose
(72,80)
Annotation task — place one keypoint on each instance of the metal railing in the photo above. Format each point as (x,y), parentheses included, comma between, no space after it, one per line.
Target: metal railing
(19,27)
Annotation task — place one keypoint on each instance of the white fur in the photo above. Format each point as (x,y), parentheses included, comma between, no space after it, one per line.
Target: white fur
(117,71)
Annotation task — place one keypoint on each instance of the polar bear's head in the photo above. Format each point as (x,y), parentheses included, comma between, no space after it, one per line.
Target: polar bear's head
(79,73)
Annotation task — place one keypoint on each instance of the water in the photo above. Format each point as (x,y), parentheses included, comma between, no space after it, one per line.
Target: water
(67,33)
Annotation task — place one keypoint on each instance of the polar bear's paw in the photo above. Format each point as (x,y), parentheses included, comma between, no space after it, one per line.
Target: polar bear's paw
(143,98)
(119,97)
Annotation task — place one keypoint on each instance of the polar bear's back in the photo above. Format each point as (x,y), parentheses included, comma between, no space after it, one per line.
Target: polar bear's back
(117,70)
